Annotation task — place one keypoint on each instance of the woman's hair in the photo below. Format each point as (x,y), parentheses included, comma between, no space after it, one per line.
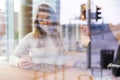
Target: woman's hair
(38,31)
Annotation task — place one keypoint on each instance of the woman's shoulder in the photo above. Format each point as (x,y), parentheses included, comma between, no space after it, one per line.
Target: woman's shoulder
(29,35)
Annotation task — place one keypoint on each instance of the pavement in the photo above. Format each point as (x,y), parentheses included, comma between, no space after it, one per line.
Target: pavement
(106,40)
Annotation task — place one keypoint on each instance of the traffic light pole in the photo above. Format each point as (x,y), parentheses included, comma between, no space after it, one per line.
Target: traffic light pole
(89,25)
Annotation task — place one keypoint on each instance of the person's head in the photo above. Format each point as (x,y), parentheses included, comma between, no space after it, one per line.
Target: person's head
(45,18)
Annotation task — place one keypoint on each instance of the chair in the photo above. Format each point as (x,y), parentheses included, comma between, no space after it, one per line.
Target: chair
(107,56)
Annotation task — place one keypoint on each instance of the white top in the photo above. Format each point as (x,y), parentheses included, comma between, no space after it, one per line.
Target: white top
(49,53)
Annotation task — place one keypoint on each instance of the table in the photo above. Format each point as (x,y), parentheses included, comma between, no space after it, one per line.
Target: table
(8,72)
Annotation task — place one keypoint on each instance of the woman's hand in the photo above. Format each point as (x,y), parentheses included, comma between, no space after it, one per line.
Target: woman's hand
(25,62)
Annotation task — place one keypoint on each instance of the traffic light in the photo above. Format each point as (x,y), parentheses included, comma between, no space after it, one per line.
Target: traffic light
(98,12)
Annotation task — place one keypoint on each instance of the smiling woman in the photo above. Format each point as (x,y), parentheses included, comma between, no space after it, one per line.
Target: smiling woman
(40,47)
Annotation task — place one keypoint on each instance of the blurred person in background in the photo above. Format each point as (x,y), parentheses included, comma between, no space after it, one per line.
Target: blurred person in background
(85,35)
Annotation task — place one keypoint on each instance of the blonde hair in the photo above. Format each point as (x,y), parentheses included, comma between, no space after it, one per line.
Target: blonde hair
(38,31)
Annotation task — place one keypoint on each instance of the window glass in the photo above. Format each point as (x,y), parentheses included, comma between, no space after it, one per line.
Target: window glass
(8,18)
(16,21)
(3,35)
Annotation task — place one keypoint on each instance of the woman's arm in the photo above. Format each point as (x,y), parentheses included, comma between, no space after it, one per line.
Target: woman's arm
(21,49)
(13,60)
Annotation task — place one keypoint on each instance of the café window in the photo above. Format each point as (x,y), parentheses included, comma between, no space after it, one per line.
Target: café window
(8,28)
(67,18)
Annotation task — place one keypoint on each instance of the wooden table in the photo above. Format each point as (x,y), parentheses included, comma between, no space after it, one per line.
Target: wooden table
(8,72)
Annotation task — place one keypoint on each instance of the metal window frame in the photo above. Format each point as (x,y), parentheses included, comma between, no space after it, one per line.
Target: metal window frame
(9,10)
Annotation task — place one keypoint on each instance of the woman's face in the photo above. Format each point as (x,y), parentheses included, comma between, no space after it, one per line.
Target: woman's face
(44,19)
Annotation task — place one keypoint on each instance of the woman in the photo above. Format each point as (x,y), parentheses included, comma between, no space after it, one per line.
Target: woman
(40,48)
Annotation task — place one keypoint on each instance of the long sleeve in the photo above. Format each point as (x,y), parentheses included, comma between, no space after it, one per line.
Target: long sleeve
(21,49)
(13,60)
